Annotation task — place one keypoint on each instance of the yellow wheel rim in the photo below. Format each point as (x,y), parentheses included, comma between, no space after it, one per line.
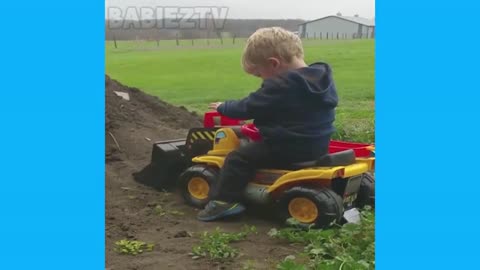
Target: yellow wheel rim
(303,210)
(198,188)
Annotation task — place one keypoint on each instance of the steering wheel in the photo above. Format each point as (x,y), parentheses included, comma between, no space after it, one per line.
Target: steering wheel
(251,131)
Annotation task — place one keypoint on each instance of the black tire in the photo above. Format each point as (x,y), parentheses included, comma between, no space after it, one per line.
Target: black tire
(328,203)
(366,193)
(208,174)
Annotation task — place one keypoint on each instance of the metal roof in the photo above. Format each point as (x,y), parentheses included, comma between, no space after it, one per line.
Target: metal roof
(358,20)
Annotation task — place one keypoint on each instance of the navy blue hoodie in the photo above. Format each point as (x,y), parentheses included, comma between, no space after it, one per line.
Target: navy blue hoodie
(298,105)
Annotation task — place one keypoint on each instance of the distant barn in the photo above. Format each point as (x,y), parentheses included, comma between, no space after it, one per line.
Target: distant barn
(338,27)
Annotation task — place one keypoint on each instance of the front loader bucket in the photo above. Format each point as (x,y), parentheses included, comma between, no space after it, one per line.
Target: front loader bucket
(169,160)
(166,153)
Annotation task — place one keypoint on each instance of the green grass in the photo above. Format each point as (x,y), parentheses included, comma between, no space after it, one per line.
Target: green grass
(193,76)
(351,246)
(216,245)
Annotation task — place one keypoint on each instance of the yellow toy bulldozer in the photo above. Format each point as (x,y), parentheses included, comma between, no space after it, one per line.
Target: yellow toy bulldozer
(315,193)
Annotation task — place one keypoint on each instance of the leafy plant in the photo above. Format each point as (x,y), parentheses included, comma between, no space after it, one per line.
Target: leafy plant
(132,247)
(249,265)
(289,264)
(215,245)
(160,211)
(351,246)
(176,213)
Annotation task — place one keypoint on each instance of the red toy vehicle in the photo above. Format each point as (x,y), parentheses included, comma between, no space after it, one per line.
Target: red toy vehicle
(213,119)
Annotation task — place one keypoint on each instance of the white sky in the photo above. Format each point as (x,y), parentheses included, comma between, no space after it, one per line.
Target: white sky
(265,9)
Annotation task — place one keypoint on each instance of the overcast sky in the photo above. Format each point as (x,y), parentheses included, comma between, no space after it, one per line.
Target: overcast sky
(266,9)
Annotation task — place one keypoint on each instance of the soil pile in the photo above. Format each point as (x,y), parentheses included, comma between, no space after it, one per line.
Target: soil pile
(138,212)
(132,125)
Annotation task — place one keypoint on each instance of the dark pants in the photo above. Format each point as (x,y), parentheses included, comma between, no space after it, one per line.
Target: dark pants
(240,165)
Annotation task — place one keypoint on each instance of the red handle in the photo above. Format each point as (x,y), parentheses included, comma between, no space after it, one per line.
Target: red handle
(251,131)
(209,120)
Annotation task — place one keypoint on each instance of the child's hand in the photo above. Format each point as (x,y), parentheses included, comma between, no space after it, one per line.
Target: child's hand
(214,105)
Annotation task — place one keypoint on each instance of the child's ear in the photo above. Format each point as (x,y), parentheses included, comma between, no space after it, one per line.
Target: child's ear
(274,62)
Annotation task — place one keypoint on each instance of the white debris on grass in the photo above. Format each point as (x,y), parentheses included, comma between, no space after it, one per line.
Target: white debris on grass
(123,95)
(352,216)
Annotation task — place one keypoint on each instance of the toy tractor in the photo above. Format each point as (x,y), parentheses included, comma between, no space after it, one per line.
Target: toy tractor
(315,193)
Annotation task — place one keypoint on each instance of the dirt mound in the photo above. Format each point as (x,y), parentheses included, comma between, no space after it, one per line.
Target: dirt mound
(136,211)
(131,125)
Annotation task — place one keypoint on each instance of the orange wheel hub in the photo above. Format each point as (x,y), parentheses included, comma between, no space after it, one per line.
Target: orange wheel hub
(303,210)
(198,188)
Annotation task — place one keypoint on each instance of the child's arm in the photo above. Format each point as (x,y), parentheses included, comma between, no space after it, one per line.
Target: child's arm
(259,104)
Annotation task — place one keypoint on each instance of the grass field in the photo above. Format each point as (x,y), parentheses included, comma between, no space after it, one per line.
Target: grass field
(195,75)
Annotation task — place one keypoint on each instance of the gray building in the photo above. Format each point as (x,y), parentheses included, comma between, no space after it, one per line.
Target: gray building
(335,27)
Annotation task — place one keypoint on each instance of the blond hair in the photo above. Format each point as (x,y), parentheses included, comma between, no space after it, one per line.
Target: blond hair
(271,42)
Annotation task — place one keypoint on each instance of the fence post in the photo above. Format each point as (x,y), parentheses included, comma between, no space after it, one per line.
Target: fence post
(115,41)
(158,43)
(176,38)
